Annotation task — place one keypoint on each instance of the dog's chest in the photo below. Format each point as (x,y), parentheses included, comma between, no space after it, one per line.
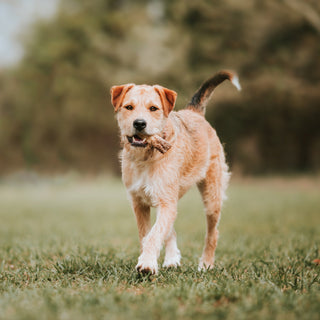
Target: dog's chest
(145,186)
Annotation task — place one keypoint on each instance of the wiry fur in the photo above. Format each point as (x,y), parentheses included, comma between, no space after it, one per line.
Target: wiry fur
(155,179)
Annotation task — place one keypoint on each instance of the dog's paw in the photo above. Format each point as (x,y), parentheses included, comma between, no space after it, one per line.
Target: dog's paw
(147,265)
(205,265)
(172,261)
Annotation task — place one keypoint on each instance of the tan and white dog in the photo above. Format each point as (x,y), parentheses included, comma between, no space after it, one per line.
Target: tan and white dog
(164,154)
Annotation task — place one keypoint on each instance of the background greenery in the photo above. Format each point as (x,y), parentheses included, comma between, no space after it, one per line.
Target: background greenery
(68,248)
(55,112)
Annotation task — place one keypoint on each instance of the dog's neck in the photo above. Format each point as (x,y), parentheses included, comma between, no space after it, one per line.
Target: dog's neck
(168,132)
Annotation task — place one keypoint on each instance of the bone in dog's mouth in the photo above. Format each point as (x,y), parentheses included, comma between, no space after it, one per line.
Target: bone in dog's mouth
(137,141)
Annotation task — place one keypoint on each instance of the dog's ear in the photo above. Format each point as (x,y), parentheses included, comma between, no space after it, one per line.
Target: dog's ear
(168,98)
(118,93)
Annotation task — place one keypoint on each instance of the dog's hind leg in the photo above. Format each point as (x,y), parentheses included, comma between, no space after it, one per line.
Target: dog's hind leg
(173,256)
(212,190)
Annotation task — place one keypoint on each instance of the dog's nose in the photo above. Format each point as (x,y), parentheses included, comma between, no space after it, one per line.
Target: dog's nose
(139,124)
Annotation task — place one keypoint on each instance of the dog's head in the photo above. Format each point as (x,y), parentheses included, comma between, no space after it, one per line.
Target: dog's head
(141,111)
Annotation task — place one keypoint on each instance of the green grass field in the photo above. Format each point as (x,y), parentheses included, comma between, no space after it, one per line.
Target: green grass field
(68,247)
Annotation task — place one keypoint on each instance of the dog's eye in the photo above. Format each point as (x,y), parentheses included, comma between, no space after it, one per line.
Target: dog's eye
(153,108)
(129,107)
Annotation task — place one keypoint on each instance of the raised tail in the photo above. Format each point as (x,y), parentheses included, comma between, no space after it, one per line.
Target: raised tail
(199,100)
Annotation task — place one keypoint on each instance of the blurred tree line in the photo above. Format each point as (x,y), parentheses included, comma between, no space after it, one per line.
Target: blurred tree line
(55,112)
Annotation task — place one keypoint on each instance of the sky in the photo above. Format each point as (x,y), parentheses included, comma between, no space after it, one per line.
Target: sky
(16,17)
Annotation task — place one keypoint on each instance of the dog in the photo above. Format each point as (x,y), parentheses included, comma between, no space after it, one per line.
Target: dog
(158,177)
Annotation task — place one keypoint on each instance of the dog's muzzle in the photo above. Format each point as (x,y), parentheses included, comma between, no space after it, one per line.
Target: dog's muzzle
(138,140)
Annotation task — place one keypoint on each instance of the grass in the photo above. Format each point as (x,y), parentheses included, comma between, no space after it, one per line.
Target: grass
(68,247)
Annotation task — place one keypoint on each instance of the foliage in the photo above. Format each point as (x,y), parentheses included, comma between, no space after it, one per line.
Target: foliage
(54,106)
(278,132)
(69,247)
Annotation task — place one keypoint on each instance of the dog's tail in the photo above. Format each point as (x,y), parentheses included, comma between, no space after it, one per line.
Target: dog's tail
(199,100)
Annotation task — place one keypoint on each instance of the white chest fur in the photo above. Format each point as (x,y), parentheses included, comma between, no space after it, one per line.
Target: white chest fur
(145,186)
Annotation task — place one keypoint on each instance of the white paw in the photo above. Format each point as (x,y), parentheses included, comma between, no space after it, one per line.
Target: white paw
(172,261)
(147,265)
(205,265)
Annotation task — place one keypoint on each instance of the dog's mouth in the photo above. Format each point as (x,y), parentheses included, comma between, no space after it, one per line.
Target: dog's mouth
(137,141)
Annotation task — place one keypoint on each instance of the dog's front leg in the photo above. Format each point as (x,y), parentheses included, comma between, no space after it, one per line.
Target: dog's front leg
(152,243)
(142,213)
(173,255)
